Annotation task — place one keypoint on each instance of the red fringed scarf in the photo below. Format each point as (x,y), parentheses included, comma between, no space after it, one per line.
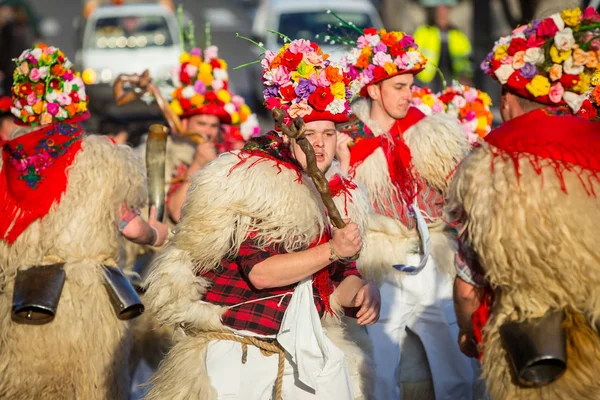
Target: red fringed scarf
(338,185)
(34,176)
(397,154)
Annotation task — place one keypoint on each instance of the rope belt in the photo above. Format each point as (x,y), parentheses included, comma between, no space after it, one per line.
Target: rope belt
(267,348)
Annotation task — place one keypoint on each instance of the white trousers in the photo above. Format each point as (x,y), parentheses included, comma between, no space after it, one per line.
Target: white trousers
(255,380)
(424,306)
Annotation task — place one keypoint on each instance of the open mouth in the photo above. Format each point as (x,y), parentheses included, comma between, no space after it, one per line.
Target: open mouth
(320,156)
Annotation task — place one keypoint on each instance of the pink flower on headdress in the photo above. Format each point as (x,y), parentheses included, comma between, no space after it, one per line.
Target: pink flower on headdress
(53,108)
(556,92)
(470,95)
(299,109)
(63,99)
(381,59)
(300,46)
(363,41)
(191,70)
(211,53)
(270,56)
(438,107)
(68,75)
(32,98)
(272,103)
(320,79)
(314,58)
(217,85)
(520,29)
(196,51)
(34,74)
(590,14)
(281,76)
(199,87)
(238,101)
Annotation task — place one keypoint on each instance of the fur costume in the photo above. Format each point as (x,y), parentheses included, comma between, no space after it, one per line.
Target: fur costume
(224,204)
(83,353)
(437,144)
(538,247)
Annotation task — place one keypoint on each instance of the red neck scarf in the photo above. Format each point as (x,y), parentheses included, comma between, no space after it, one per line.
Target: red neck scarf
(34,175)
(397,154)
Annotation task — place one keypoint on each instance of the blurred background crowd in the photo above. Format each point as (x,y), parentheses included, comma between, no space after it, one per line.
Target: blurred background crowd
(108,37)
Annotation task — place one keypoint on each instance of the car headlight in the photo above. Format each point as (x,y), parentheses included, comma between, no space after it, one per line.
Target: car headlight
(89,76)
(106,75)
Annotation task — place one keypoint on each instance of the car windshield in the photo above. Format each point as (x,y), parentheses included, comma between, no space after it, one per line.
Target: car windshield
(306,25)
(130,32)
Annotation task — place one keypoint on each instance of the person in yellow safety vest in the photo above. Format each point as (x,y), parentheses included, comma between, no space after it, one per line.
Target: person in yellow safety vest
(445,47)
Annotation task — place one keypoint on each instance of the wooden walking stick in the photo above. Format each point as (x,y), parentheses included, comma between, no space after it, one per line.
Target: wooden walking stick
(296,131)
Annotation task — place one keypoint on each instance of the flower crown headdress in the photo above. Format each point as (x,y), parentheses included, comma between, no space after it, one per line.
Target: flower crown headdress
(552,61)
(202,82)
(46,88)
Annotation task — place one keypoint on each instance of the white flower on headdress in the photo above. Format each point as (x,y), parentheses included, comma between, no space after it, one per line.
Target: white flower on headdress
(574,100)
(68,64)
(503,73)
(353,56)
(81,93)
(560,24)
(413,57)
(188,92)
(230,108)
(64,99)
(534,55)
(374,40)
(23,55)
(211,53)
(67,86)
(504,40)
(247,128)
(51,96)
(16,112)
(220,74)
(44,73)
(459,102)
(570,69)
(269,77)
(337,106)
(564,40)
(62,113)
(355,86)
(217,85)
(28,109)
(37,53)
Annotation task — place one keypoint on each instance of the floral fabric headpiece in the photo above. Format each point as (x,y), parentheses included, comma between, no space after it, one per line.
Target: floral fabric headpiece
(46,88)
(379,55)
(301,80)
(552,61)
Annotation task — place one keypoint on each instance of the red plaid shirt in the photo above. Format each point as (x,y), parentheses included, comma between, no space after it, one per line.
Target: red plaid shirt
(263,315)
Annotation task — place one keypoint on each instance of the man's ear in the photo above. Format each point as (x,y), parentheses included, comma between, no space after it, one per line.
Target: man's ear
(373,92)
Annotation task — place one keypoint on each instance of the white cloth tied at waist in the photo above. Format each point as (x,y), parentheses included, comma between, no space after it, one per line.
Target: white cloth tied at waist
(301,335)
(423,231)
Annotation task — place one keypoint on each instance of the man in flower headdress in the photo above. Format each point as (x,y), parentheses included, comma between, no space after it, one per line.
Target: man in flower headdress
(254,273)
(529,270)
(64,199)
(207,107)
(403,158)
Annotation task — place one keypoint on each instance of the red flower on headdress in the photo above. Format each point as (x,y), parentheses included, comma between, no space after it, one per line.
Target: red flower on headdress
(535,41)
(568,81)
(517,81)
(397,50)
(288,93)
(291,60)
(370,31)
(516,45)
(547,28)
(379,73)
(320,98)
(185,103)
(55,84)
(211,97)
(216,64)
(587,110)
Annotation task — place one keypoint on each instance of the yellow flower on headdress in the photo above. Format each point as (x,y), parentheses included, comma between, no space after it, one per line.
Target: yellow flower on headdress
(559,56)
(46,118)
(195,60)
(584,83)
(571,16)
(390,68)
(223,63)
(399,35)
(485,98)
(539,86)
(176,107)
(184,57)
(235,118)
(45,58)
(197,100)
(206,78)
(482,123)
(204,68)
(428,99)
(501,52)
(295,76)
(305,70)
(367,51)
(224,96)
(338,90)
(81,106)
(245,111)
(38,107)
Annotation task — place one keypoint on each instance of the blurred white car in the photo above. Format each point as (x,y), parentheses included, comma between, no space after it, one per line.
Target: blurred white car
(128,39)
(305,20)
